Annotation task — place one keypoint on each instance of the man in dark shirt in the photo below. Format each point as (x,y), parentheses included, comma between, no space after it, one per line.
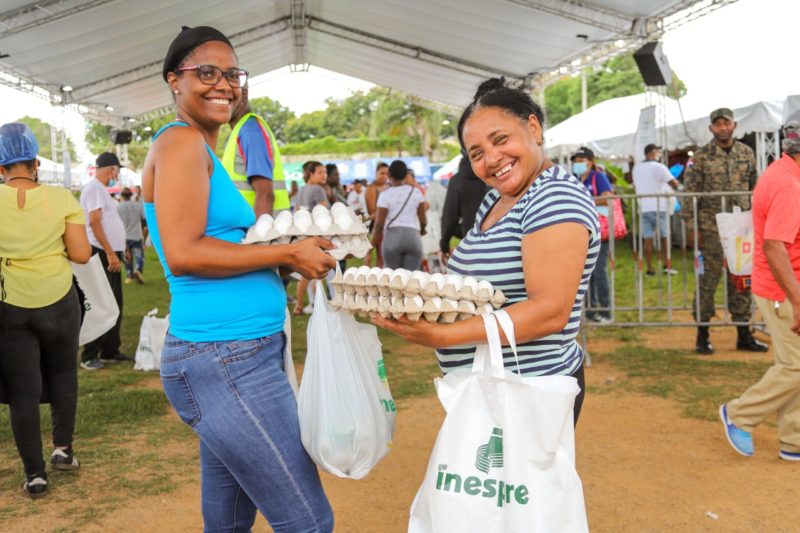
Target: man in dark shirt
(465,193)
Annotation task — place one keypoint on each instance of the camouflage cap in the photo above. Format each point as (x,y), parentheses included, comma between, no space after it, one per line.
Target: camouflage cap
(722,112)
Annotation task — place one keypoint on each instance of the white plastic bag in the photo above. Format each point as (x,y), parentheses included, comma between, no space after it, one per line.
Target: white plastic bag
(151,341)
(346,410)
(736,235)
(101,307)
(504,459)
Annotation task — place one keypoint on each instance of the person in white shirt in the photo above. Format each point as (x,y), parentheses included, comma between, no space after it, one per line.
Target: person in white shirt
(357,198)
(106,233)
(649,177)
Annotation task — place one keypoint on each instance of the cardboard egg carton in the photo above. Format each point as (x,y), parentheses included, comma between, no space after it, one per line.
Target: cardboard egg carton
(415,295)
(340,224)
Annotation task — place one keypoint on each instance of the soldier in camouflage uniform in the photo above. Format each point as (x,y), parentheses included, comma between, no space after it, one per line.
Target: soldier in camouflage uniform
(724,164)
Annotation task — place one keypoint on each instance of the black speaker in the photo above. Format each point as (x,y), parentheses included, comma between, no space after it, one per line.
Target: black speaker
(121,136)
(653,64)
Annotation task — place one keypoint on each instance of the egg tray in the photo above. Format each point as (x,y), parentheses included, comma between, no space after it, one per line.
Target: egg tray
(340,224)
(415,295)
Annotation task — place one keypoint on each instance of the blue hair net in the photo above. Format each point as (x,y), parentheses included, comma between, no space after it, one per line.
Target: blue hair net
(17,143)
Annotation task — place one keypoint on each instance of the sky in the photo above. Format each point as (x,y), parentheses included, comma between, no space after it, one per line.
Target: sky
(737,55)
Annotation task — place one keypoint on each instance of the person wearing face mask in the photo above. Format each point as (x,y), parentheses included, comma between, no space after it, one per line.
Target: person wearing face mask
(106,232)
(598,184)
(536,236)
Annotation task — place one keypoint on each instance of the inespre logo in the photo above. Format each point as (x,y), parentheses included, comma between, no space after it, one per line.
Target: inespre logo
(487,456)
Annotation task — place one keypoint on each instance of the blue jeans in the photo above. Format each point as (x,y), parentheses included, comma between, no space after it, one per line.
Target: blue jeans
(137,257)
(237,398)
(599,288)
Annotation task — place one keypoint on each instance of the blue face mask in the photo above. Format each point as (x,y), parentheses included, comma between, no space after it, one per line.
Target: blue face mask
(578,168)
(112,183)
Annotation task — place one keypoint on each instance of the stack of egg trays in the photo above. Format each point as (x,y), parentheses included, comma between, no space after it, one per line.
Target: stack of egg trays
(340,224)
(400,292)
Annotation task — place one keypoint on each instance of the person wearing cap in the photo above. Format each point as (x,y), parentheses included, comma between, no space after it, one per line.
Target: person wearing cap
(106,233)
(598,184)
(222,365)
(722,165)
(253,160)
(40,309)
(776,288)
(651,176)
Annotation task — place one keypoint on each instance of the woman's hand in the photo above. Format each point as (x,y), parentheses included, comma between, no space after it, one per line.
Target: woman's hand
(420,332)
(308,257)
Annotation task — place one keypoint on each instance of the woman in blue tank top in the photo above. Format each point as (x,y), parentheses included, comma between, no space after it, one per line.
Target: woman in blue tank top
(222,363)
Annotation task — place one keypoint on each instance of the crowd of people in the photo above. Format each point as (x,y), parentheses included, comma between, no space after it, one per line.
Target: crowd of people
(512,208)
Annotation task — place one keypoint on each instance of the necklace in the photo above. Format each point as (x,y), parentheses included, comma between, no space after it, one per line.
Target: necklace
(20,178)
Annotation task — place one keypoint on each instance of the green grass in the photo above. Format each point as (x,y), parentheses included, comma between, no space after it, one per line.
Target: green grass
(700,385)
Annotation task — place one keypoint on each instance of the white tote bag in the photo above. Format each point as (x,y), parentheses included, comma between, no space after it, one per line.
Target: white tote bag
(345,408)
(736,235)
(151,341)
(504,459)
(101,307)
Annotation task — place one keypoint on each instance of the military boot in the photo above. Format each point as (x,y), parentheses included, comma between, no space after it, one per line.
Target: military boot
(747,343)
(703,345)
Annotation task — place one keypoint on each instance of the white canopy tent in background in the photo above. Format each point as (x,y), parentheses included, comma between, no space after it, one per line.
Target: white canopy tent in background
(609,128)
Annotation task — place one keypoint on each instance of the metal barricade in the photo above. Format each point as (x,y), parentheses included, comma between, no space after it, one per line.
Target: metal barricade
(666,304)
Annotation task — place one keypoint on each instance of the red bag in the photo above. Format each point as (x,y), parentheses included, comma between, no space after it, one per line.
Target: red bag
(620,229)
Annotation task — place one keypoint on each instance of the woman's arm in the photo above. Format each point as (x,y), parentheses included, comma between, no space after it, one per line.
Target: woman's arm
(553,259)
(423,221)
(181,199)
(77,244)
(377,228)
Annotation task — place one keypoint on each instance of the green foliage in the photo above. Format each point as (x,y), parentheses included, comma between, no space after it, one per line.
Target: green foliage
(331,145)
(41,130)
(617,77)
(277,116)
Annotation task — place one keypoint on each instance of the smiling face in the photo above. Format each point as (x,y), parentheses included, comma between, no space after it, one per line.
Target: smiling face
(504,150)
(208,106)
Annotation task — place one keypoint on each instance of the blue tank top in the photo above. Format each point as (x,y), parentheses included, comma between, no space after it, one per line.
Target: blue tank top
(247,306)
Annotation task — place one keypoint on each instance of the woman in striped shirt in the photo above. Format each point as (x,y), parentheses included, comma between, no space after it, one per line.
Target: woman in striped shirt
(536,237)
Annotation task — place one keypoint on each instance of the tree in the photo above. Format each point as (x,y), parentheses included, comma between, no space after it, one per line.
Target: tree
(41,130)
(276,115)
(617,77)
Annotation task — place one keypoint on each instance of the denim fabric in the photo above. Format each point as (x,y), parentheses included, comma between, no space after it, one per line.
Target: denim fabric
(237,398)
(651,220)
(599,288)
(136,264)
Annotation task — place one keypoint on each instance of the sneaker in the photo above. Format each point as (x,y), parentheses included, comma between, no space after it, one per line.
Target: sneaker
(650,273)
(789,456)
(138,277)
(128,281)
(35,487)
(741,440)
(307,310)
(92,364)
(670,272)
(119,358)
(602,320)
(61,460)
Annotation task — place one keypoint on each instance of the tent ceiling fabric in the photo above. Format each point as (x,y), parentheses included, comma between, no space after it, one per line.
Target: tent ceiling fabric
(110,51)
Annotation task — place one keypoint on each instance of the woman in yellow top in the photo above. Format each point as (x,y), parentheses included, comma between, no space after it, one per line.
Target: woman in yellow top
(42,226)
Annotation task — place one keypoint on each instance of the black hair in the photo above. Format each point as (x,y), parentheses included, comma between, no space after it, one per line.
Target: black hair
(495,92)
(398,170)
(330,167)
(126,193)
(27,164)
(184,44)
(380,165)
(311,166)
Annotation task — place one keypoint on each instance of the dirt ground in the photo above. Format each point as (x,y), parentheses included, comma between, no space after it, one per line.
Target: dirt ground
(644,468)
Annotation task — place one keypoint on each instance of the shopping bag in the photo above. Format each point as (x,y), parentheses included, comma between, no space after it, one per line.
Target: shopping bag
(504,459)
(100,306)
(620,229)
(736,235)
(345,407)
(151,341)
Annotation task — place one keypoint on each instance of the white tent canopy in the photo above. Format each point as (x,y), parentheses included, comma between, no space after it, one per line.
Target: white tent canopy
(609,128)
(110,51)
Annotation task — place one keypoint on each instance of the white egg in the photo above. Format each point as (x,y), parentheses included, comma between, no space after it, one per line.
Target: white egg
(343,220)
(283,224)
(455,280)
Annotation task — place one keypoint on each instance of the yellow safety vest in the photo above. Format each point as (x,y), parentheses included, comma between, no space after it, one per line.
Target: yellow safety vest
(235,164)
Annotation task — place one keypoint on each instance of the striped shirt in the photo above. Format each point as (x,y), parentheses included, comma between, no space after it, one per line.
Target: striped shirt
(555,197)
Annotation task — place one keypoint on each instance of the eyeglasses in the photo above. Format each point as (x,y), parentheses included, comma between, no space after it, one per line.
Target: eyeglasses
(210,75)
